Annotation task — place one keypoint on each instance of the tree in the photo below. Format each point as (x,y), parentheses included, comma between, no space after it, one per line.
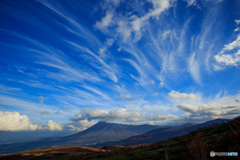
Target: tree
(198,148)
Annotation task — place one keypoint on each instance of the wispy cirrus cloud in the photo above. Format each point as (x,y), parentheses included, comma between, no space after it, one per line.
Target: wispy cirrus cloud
(76,27)
(132,54)
(22,104)
(109,70)
(194,68)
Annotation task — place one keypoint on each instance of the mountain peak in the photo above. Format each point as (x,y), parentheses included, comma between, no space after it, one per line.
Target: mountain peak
(107,129)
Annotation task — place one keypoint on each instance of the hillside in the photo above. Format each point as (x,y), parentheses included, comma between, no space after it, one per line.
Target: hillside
(48,153)
(195,145)
(160,134)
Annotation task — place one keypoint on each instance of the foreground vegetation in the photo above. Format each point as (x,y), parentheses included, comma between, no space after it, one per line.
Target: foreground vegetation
(196,145)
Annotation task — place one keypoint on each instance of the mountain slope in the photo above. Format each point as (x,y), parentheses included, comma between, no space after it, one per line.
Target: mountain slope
(98,133)
(193,146)
(102,132)
(113,130)
(160,134)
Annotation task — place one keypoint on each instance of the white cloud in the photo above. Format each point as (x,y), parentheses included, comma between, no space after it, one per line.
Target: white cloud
(218,107)
(237,29)
(53,126)
(137,24)
(42,99)
(158,7)
(79,125)
(72,127)
(105,22)
(13,121)
(178,95)
(128,96)
(188,107)
(228,59)
(155,108)
(122,115)
(125,25)
(237,21)
(233,45)
(123,30)
(90,114)
(166,34)
(84,124)
(211,110)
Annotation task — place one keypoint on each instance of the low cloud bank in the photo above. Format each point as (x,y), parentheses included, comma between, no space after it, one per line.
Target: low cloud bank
(14,121)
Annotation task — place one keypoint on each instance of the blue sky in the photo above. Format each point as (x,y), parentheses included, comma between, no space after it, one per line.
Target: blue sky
(68,64)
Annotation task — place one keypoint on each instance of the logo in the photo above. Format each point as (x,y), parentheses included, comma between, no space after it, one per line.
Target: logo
(212,154)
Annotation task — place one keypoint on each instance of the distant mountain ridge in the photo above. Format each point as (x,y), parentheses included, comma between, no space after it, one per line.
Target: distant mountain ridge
(103,133)
(160,134)
(114,129)
(98,133)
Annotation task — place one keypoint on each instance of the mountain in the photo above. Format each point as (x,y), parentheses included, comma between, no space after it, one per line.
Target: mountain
(160,134)
(112,131)
(98,133)
(102,132)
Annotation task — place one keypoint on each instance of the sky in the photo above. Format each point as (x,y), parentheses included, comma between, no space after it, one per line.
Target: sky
(65,65)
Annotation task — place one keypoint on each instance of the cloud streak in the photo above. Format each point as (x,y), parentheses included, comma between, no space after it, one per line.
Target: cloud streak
(178,95)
